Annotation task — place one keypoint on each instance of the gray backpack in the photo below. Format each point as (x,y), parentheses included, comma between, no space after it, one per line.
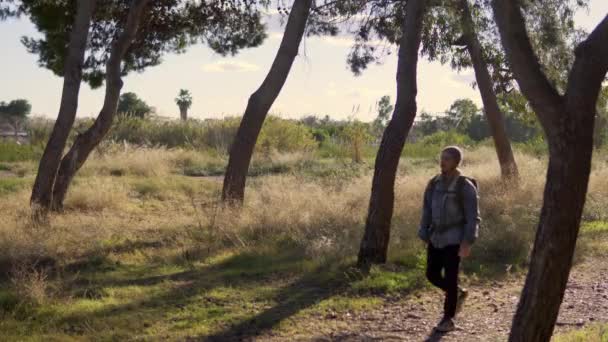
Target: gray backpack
(459,190)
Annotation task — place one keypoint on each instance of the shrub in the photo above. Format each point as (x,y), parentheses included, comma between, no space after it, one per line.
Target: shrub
(214,134)
(12,152)
(282,135)
(430,146)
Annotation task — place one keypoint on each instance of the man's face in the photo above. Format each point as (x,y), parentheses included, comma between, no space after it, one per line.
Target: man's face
(448,162)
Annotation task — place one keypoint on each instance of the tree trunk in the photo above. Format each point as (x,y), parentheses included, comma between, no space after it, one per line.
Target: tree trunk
(183,113)
(87,141)
(260,102)
(374,246)
(72,77)
(496,119)
(568,124)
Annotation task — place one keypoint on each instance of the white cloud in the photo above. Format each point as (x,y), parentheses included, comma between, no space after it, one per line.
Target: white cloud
(276,35)
(230,66)
(343,41)
(467,78)
(338,40)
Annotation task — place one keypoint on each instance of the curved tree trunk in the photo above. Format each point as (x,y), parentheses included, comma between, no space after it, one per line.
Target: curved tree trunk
(87,141)
(495,117)
(260,102)
(568,124)
(374,246)
(183,113)
(72,77)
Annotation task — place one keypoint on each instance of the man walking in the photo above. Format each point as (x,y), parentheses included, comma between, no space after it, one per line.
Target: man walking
(449,226)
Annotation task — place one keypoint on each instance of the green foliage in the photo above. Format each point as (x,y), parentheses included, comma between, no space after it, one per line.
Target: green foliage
(430,146)
(184,99)
(591,333)
(445,138)
(15,109)
(277,134)
(130,104)
(357,136)
(600,134)
(284,136)
(427,124)
(170,26)
(12,152)
(385,108)
(536,146)
(464,117)
(461,114)
(38,131)
(12,184)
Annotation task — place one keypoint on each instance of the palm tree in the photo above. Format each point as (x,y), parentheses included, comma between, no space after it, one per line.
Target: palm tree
(184,101)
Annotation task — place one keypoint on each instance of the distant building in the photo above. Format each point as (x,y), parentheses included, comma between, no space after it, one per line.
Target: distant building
(12,132)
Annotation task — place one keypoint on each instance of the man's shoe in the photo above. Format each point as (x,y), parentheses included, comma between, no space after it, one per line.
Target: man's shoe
(462,297)
(446,325)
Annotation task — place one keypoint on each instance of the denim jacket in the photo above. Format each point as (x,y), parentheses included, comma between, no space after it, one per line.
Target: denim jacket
(436,211)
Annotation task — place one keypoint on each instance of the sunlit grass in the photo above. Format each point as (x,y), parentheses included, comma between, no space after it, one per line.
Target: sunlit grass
(145,251)
(594,333)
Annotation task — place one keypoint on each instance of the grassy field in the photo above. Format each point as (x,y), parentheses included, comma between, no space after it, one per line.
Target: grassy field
(145,250)
(595,333)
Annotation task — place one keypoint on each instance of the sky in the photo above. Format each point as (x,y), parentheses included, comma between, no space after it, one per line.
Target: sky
(320,82)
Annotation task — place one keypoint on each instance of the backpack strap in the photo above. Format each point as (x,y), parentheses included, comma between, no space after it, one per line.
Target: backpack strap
(460,188)
(460,191)
(432,183)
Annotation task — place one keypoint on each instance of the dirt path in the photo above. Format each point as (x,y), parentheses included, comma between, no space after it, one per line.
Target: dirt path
(486,316)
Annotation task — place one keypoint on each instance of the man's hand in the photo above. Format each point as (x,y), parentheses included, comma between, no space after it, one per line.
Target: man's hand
(465,250)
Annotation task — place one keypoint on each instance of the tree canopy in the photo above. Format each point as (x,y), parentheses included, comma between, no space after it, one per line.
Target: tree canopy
(169,26)
(552,31)
(19,108)
(184,99)
(130,104)
(461,112)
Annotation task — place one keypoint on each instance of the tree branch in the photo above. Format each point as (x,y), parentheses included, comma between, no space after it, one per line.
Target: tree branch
(590,68)
(533,83)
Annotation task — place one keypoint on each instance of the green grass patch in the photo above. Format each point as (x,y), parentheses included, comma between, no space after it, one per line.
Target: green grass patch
(244,292)
(594,333)
(593,240)
(11,152)
(390,280)
(594,228)
(12,184)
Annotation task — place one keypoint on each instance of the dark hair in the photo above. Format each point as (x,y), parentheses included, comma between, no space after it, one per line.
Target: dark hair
(455,152)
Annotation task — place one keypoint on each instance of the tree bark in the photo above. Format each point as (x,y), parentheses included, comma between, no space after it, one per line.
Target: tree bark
(72,76)
(374,246)
(495,117)
(568,122)
(87,141)
(260,102)
(183,113)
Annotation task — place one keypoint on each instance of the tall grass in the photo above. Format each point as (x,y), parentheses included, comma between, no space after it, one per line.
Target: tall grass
(214,134)
(143,195)
(323,217)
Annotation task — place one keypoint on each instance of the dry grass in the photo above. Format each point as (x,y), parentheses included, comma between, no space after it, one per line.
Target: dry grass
(153,204)
(123,229)
(287,208)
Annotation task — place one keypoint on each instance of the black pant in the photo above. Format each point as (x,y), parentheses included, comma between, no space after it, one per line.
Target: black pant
(445,259)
